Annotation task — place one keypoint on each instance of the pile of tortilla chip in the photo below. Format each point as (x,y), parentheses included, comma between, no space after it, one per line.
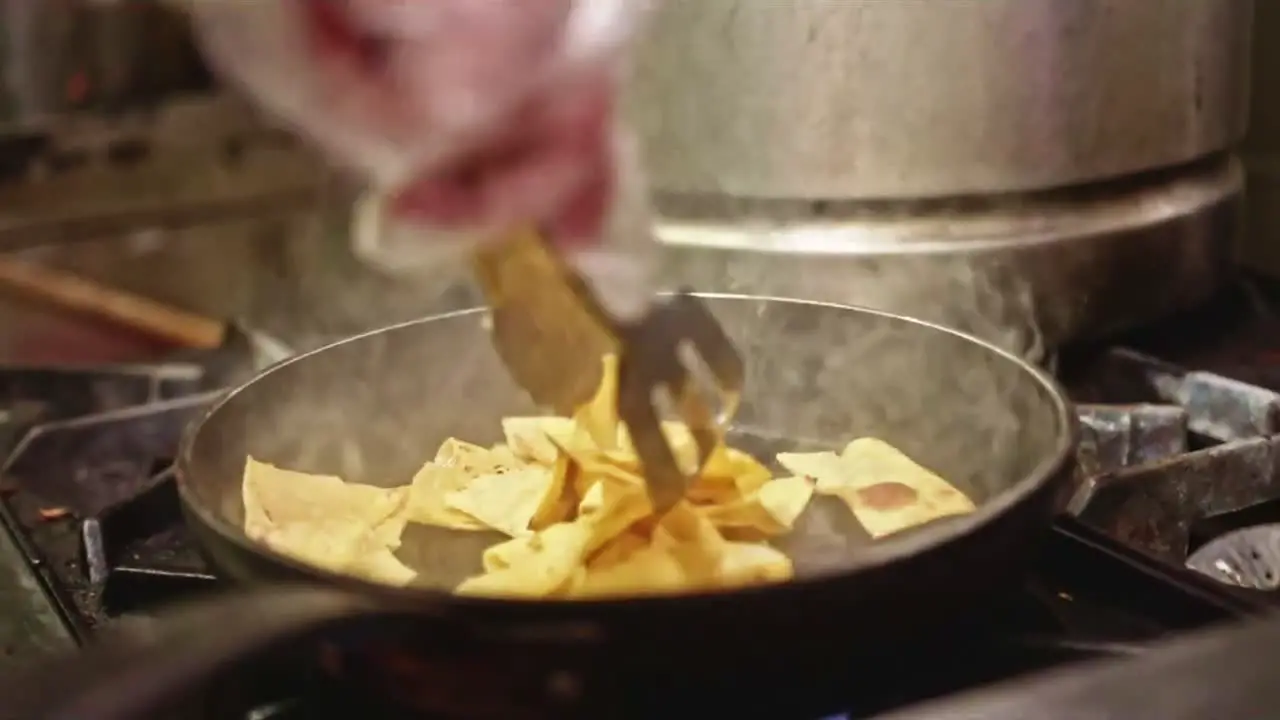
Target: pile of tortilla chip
(569,494)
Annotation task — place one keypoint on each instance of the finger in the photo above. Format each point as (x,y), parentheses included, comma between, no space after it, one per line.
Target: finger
(562,158)
(556,153)
(580,221)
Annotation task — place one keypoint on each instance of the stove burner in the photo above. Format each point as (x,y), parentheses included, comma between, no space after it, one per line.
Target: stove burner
(81,444)
(1247,558)
(1170,458)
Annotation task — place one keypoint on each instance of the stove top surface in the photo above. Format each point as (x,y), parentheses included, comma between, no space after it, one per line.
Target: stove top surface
(1179,445)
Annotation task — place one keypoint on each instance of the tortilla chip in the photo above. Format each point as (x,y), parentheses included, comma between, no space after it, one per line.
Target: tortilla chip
(886,490)
(388,531)
(694,542)
(618,550)
(431,486)
(590,469)
(533,566)
(545,562)
(332,545)
(275,497)
(473,459)
(743,564)
(679,438)
(507,502)
(533,439)
(598,417)
(768,512)
(646,571)
(685,555)
(382,566)
(610,509)
(340,546)
(561,499)
(748,473)
(812,465)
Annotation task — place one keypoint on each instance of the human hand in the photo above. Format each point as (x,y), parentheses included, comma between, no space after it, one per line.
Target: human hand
(472,116)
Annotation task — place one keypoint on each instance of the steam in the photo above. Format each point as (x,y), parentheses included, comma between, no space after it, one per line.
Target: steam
(968,265)
(937,264)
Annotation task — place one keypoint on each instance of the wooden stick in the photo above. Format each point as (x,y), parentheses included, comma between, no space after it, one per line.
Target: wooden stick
(77,294)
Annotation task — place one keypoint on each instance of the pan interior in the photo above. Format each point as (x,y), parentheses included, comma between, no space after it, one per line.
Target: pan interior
(374,408)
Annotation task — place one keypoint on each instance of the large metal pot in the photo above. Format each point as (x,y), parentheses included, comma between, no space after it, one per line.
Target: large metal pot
(863,99)
(1011,166)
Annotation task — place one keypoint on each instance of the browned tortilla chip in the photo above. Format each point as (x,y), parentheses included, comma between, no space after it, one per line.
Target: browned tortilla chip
(886,490)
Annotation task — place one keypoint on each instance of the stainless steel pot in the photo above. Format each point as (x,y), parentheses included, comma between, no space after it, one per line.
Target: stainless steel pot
(813,99)
(1021,168)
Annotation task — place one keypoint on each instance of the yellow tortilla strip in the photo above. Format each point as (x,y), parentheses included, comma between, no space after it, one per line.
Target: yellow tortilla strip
(544,563)
(431,486)
(534,439)
(473,459)
(388,531)
(618,550)
(727,475)
(743,564)
(340,546)
(599,468)
(694,542)
(678,437)
(768,512)
(610,510)
(814,465)
(598,417)
(684,553)
(332,545)
(256,521)
(560,501)
(533,566)
(507,502)
(382,566)
(886,490)
(596,432)
(275,497)
(748,474)
(646,571)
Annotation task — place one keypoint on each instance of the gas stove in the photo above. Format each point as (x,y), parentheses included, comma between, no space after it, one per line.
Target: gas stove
(1180,444)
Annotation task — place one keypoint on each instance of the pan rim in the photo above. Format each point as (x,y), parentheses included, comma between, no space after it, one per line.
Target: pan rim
(883,553)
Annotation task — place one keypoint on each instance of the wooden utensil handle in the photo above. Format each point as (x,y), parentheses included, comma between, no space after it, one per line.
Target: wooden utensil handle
(71,292)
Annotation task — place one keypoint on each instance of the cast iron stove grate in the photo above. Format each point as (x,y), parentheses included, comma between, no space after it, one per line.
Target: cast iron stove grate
(1168,455)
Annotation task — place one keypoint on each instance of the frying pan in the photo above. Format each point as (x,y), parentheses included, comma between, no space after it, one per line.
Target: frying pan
(373,408)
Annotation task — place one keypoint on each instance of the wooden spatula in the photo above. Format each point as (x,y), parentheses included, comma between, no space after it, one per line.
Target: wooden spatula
(551,331)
